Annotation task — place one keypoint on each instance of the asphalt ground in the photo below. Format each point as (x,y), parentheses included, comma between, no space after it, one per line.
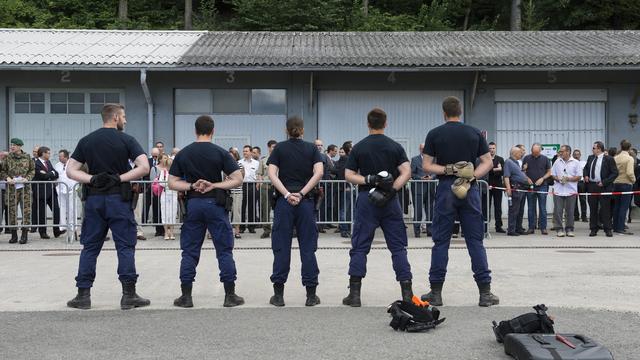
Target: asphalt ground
(285,333)
(590,284)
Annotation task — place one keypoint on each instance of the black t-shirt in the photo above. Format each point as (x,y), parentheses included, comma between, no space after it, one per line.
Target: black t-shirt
(376,153)
(295,159)
(202,160)
(495,177)
(107,150)
(454,141)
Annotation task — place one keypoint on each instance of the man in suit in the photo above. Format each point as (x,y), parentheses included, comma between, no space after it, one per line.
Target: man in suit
(423,193)
(495,179)
(599,174)
(45,194)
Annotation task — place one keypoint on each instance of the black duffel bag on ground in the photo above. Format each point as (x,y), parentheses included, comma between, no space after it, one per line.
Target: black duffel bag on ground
(554,347)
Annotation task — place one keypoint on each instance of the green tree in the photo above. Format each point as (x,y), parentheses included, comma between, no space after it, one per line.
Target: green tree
(288,15)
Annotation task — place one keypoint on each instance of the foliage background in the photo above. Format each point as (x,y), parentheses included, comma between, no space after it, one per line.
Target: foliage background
(323,15)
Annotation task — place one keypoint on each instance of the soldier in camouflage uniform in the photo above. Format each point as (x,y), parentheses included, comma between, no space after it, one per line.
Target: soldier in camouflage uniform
(18,167)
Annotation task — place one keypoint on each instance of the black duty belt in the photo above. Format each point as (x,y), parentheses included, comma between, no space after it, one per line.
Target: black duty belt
(196,194)
(111,191)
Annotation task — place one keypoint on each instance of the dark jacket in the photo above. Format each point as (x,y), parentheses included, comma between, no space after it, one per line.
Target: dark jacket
(608,171)
(417,171)
(44,191)
(495,177)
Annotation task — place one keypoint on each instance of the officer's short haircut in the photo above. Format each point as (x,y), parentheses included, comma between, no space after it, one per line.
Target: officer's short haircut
(577,150)
(599,145)
(247,146)
(492,143)
(625,145)
(451,107)
(295,126)
(204,125)
(270,143)
(376,118)
(42,150)
(110,110)
(159,142)
(612,151)
(332,147)
(567,147)
(64,152)
(257,148)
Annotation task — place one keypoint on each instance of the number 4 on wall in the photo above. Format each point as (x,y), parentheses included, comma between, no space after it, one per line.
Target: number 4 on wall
(65,76)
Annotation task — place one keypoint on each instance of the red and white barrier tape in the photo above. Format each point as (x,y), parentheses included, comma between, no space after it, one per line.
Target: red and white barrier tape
(568,194)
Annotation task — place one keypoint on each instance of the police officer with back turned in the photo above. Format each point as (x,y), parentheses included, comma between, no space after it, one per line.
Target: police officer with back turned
(108,203)
(208,205)
(295,168)
(380,168)
(456,146)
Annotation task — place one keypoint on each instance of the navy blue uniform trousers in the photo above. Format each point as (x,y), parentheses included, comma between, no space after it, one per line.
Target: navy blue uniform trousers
(368,218)
(101,213)
(285,217)
(205,214)
(469,211)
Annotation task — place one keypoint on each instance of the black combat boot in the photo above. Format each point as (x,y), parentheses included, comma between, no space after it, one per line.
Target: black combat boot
(406,290)
(278,295)
(434,297)
(312,298)
(353,299)
(230,297)
(185,299)
(130,299)
(24,236)
(14,237)
(82,300)
(486,297)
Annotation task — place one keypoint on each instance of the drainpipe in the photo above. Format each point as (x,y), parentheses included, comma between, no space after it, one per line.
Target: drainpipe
(147,97)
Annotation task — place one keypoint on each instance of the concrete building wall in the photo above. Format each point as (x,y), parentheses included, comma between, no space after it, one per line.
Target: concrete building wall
(302,92)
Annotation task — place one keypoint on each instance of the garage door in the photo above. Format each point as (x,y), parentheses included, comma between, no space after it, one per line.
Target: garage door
(342,115)
(57,118)
(241,116)
(573,117)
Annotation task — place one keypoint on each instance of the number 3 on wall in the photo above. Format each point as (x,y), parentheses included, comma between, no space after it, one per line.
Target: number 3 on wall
(65,76)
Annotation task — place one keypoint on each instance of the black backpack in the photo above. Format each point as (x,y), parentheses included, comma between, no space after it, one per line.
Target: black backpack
(530,323)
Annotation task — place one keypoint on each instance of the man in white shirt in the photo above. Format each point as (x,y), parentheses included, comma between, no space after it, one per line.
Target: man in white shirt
(66,187)
(566,171)
(249,192)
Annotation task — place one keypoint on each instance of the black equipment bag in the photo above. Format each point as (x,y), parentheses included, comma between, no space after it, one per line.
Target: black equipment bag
(406,316)
(530,323)
(554,347)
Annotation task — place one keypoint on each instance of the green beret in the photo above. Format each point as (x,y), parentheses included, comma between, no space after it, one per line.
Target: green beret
(17,141)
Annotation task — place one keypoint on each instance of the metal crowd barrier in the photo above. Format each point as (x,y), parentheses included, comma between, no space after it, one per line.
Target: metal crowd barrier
(56,205)
(48,204)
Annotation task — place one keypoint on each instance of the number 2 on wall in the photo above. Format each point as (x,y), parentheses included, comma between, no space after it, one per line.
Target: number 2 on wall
(65,76)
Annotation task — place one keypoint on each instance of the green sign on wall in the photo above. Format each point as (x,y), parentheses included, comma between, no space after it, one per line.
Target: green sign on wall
(550,150)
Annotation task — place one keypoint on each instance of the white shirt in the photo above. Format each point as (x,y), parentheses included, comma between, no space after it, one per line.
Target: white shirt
(598,169)
(569,168)
(63,178)
(250,168)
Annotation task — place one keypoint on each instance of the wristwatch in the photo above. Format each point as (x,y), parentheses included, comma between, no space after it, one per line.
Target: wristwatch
(191,187)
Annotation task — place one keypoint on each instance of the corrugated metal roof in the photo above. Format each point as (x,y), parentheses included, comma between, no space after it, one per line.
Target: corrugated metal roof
(319,50)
